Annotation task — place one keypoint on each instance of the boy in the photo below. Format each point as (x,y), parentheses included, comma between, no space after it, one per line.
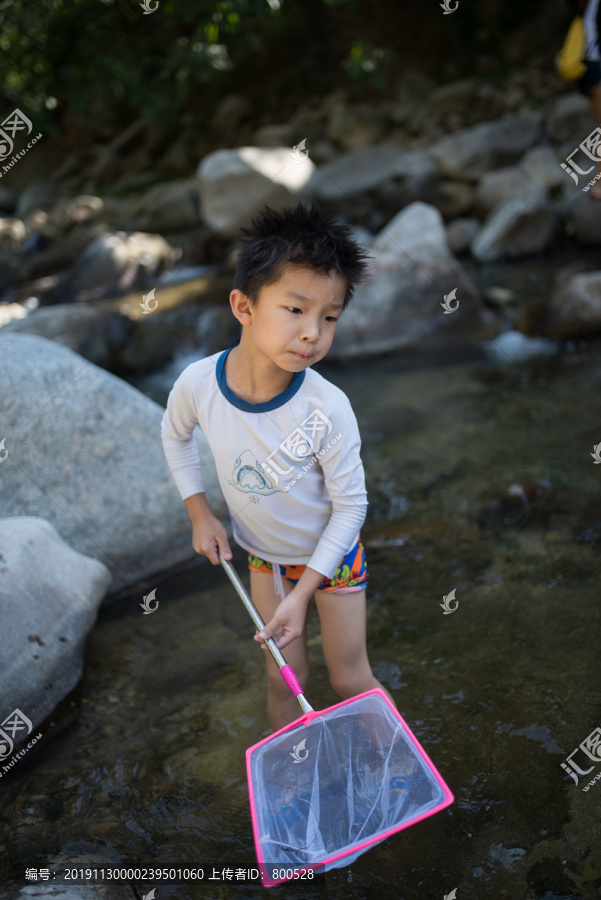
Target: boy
(286,445)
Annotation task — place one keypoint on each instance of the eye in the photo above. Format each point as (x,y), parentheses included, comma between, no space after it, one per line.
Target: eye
(295,309)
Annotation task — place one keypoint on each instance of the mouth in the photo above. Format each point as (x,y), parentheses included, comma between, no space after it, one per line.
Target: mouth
(302,355)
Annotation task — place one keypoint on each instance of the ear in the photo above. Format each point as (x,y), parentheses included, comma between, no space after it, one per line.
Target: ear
(241,307)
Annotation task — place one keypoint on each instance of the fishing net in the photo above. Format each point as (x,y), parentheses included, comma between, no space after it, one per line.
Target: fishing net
(334,783)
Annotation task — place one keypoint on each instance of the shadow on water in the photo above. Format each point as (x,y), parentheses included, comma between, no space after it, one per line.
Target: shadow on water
(499,692)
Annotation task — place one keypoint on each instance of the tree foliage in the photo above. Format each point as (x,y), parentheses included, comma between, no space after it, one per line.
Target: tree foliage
(108,60)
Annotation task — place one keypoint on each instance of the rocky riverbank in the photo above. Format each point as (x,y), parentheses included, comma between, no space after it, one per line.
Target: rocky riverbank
(106,273)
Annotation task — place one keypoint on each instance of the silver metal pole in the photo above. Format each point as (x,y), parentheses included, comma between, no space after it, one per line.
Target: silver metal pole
(254,613)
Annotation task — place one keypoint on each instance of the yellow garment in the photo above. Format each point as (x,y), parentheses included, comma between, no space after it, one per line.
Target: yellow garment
(569,59)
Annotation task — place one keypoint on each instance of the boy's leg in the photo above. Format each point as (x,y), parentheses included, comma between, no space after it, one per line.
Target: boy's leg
(282,706)
(343,627)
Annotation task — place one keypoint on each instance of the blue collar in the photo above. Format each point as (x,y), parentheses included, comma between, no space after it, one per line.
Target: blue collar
(274,403)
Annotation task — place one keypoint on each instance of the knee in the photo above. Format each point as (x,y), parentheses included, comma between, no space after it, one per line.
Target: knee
(350,683)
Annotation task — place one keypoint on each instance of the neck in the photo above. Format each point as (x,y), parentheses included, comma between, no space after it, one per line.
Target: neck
(252,375)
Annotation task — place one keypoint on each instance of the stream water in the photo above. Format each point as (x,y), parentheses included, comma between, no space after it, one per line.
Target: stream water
(152,769)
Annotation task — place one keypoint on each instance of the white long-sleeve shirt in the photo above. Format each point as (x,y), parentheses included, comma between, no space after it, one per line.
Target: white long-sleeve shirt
(290,469)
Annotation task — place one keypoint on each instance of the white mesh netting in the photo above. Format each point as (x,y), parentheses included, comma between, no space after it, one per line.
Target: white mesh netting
(349,776)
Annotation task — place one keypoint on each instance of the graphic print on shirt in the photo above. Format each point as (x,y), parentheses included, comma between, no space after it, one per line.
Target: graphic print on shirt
(251,476)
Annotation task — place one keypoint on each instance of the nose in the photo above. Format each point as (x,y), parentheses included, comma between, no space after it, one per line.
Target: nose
(310,330)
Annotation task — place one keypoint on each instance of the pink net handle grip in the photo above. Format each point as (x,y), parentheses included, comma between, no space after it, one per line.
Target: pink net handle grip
(291,680)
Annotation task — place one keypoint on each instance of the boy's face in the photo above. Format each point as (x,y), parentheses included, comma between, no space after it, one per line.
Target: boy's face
(296,315)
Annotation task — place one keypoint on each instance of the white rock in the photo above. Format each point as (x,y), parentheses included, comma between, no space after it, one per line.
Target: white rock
(10,312)
(541,163)
(522,224)
(417,232)
(496,186)
(364,169)
(236,184)
(470,152)
(49,598)
(85,453)
(112,256)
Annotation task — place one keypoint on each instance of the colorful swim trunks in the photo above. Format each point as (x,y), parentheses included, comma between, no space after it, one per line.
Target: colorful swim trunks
(351,574)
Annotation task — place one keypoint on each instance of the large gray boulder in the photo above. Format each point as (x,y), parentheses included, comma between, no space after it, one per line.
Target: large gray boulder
(169,207)
(496,186)
(49,598)
(400,303)
(85,453)
(115,261)
(522,224)
(470,152)
(93,332)
(366,168)
(236,184)
(541,164)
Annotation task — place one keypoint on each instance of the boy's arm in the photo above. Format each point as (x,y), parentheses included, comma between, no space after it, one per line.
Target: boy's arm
(177,435)
(344,476)
(198,507)
(208,534)
(209,537)
(288,621)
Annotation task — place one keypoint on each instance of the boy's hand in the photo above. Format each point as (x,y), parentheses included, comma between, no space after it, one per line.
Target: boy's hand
(286,625)
(209,534)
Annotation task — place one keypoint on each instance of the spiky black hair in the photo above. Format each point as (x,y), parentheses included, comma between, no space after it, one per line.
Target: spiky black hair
(301,236)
